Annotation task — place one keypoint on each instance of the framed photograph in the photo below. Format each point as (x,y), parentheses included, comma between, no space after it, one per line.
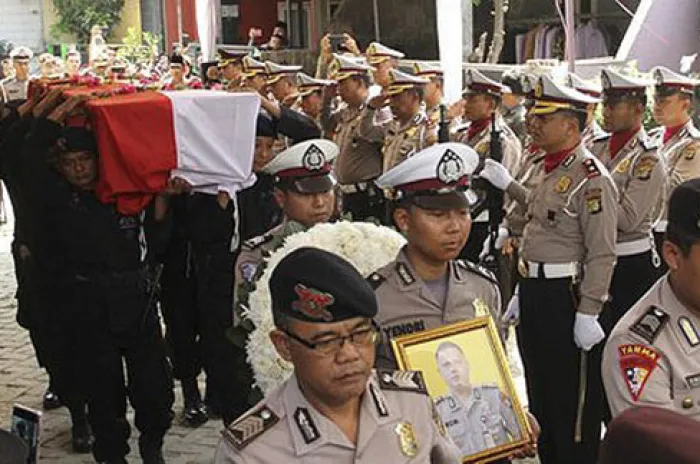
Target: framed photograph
(26,424)
(467,375)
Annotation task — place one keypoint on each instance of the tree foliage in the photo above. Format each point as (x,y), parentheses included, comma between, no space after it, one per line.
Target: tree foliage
(77,17)
(140,47)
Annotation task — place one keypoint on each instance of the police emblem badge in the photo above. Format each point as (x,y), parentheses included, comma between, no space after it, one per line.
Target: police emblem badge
(563,184)
(637,362)
(313,303)
(623,166)
(313,159)
(407,439)
(450,168)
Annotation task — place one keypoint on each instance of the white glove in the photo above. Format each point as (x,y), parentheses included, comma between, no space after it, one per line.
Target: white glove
(500,239)
(512,313)
(496,173)
(587,331)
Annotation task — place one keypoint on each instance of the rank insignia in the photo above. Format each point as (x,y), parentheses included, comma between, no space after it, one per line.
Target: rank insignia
(480,308)
(248,428)
(591,168)
(594,203)
(569,160)
(404,274)
(306,425)
(623,166)
(438,421)
(563,184)
(402,381)
(689,332)
(407,439)
(313,303)
(378,401)
(643,169)
(650,324)
(637,362)
(693,381)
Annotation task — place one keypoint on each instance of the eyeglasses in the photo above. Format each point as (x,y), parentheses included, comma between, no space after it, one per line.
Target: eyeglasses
(362,337)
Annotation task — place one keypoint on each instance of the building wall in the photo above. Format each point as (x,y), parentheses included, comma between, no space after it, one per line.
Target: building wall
(20,22)
(189,21)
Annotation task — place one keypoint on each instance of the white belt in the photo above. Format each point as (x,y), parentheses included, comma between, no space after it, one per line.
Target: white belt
(535,270)
(634,247)
(660,226)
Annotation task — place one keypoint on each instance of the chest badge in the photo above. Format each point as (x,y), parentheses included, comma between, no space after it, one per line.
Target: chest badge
(480,308)
(689,332)
(407,439)
(563,184)
(623,166)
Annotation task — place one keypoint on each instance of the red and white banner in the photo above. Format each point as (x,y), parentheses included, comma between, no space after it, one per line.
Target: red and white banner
(205,137)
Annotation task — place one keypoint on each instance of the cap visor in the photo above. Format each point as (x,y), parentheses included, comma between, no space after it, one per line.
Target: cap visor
(315,184)
(441,201)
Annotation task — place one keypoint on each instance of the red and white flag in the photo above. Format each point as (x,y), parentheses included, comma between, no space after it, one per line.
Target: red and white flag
(205,137)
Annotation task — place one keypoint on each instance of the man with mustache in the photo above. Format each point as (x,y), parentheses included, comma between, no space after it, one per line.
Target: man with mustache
(334,408)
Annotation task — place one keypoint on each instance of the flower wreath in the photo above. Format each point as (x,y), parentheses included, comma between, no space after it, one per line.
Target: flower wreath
(367,246)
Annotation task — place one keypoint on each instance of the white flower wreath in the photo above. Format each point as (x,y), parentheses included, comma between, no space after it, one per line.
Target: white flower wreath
(367,246)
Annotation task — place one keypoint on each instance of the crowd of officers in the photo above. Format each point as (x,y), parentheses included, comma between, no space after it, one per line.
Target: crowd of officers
(587,233)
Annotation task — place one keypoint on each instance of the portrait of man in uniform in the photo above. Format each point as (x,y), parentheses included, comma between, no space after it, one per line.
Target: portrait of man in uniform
(467,375)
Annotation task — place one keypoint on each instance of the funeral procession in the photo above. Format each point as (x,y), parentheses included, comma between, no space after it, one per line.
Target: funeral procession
(350,231)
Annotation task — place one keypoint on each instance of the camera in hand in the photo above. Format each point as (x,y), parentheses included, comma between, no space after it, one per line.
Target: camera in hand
(338,43)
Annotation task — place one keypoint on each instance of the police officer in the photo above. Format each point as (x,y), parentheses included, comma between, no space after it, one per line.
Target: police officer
(651,358)
(679,140)
(433,92)
(477,417)
(640,176)
(384,60)
(482,98)
(281,82)
(410,131)
(230,66)
(15,88)
(334,408)
(572,227)
(311,92)
(359,161)
(426,286)
(593,131)
(514,111)
(254,75)
(93,269)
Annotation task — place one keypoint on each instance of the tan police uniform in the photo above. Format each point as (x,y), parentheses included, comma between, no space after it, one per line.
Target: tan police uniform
(406,304)
(431,72)
(11,88)
(482,421)
(399,140)
(376,54)
(231,55)
(274,73)
(397,424)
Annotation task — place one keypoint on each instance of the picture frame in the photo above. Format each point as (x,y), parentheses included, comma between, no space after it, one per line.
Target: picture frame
(467,375)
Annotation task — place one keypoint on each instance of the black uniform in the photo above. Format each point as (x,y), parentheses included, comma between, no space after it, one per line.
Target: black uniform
(92,271)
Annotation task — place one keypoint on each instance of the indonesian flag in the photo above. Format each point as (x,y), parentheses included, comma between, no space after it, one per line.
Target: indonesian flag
(204,137)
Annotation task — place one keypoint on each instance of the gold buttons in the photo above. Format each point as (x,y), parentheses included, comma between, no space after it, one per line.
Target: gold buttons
(687,403)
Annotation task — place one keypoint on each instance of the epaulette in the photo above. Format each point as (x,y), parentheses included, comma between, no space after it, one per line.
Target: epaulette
(375,280)
(649,144)
(402,381)
(694,132)
(591,168)
(651,323)
(477,269)
(655,132)
(258,241)
(601,137)
(246,429)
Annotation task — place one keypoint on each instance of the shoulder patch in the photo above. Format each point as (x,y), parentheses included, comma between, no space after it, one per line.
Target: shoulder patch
(375,280)
(402,381)
(644,167)
(650,325)
(637,362)
(256,242)
(477,269)
(591,168)
(246,429)
(690,151)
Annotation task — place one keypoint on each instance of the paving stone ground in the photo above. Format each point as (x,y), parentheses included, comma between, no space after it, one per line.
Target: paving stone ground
(22,381)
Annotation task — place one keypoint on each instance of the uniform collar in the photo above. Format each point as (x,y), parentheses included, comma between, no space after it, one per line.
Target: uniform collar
(619,140)
(409,280)
(671,132)
(553,160)
(311,430)
(476,127)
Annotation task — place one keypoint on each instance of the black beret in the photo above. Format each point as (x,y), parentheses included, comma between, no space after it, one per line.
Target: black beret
(684,208)
(76,139)
(176,58)
(265,127)
(314,285)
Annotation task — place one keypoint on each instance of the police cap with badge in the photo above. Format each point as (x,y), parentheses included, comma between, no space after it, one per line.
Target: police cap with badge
(304,167)
(400,82)
(618,87)
(434,178)
(684,211)
(232,55)
(275,72)
(345,66)
(21,54)
(550,97)
(478,84)
(670,83)
(307,85)
(252,67)
(314,285)
(377,53)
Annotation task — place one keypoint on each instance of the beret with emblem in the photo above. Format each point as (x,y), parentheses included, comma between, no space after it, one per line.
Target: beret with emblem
(400,81)
(305,167)
(584,86)
(669,82)
(617,85)
(314,285)
(308,85)
(377,53)
(434,178)
(684,209)
(550,97)
(345,66)
(275,71)
(477,83)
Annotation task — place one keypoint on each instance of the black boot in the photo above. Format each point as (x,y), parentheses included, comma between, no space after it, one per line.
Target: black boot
(51,400)
(151,450)
(115,461)
(195,414)
(81,434)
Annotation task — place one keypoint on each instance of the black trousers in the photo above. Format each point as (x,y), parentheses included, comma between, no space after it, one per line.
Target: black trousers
(633,276)
(477,236)
(118,331)
(558,374)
